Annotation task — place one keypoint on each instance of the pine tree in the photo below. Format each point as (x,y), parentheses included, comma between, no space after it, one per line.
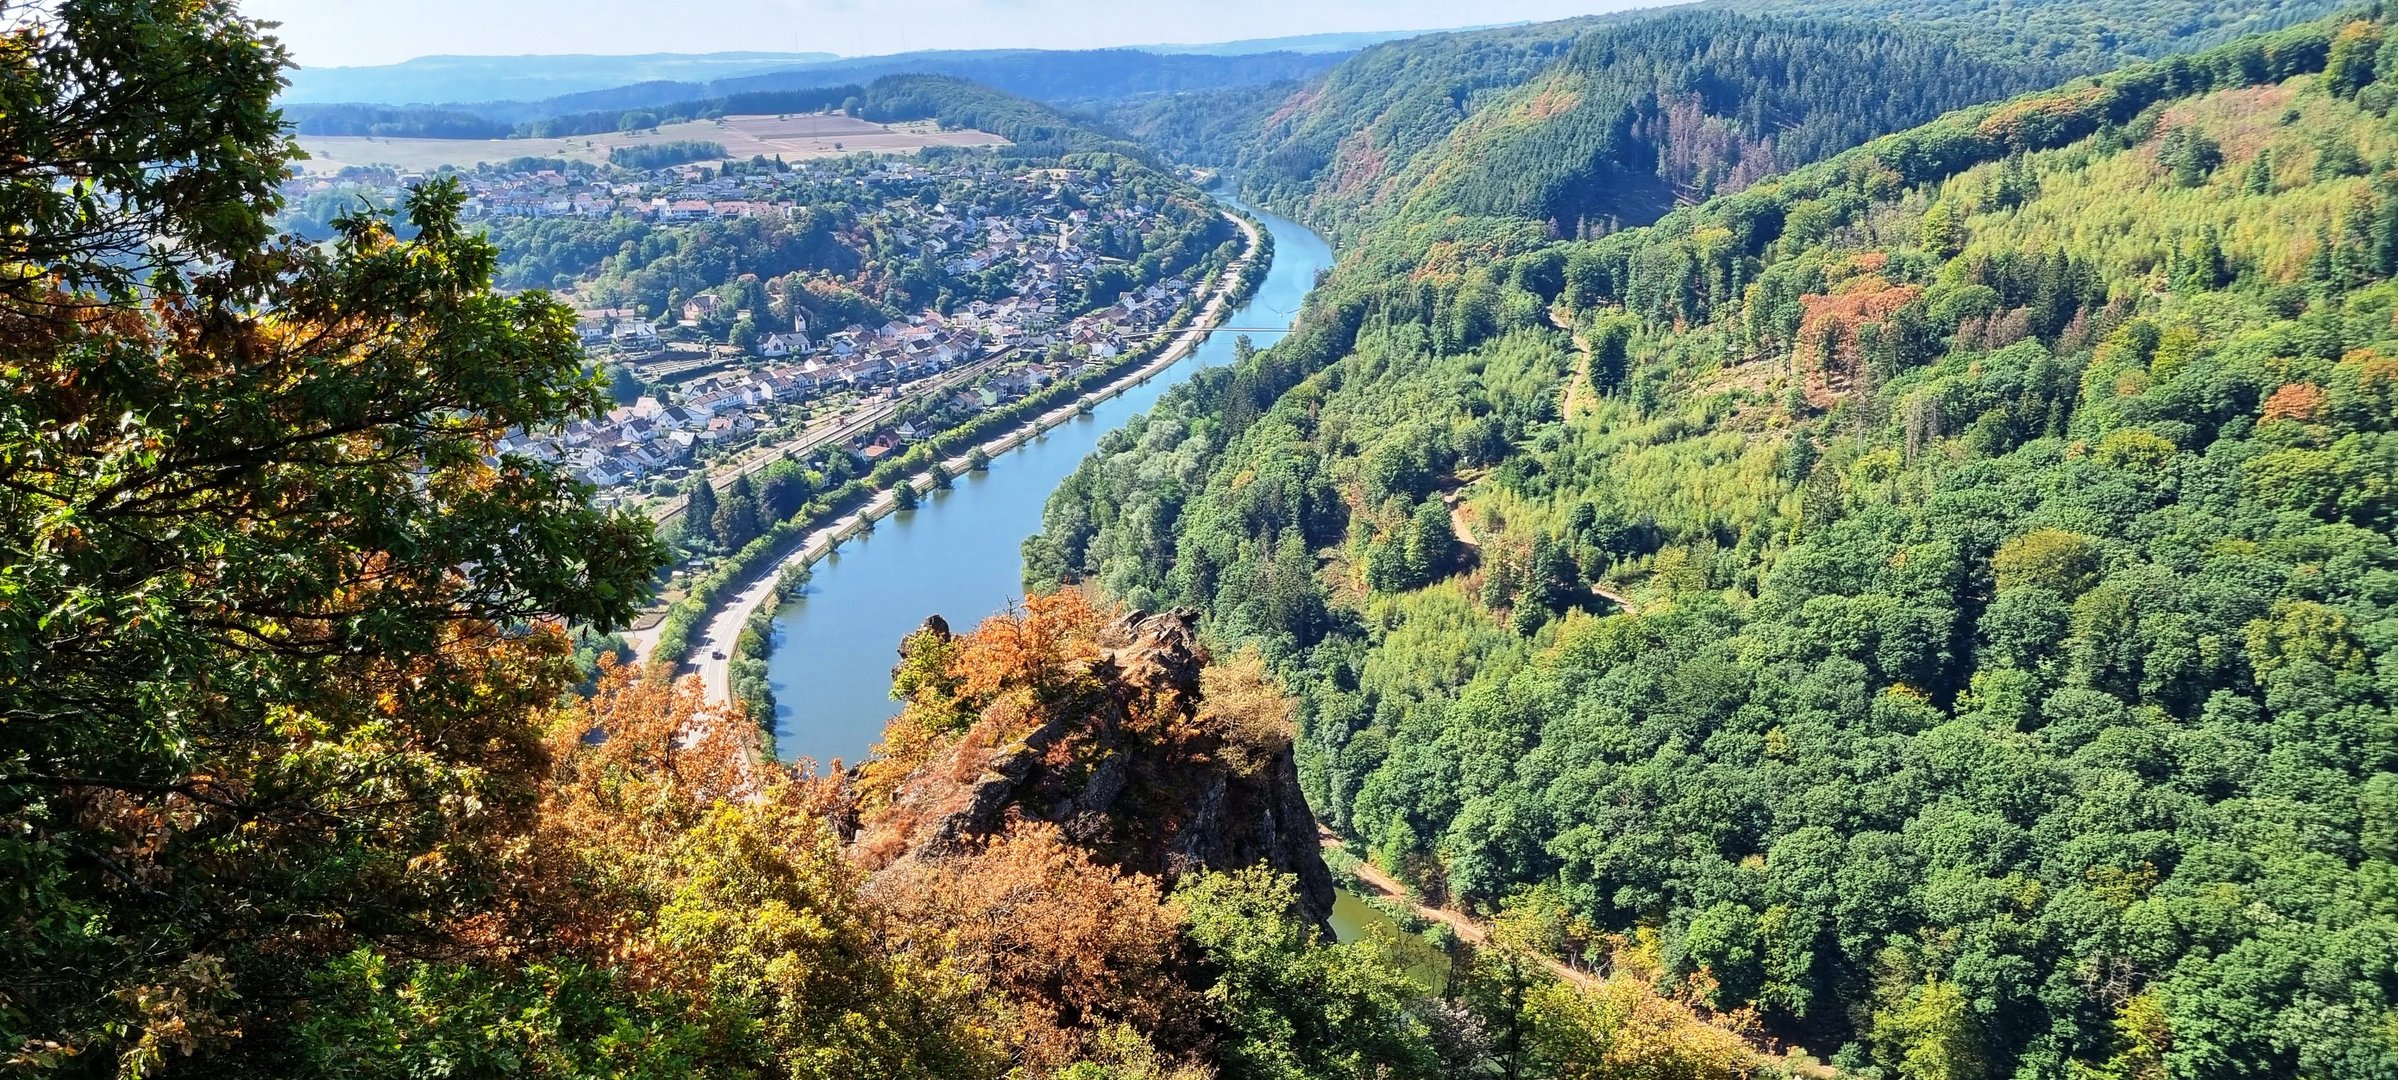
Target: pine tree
(2321,271)
(2385,228)
(2189,156)
(2260,173)
(736,517)
(699,513)
(2199,264)
(2354,259)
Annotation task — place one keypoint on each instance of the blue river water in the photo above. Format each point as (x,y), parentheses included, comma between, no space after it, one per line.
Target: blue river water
(960,554)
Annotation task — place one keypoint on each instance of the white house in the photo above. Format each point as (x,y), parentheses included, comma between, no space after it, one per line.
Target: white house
(780,345)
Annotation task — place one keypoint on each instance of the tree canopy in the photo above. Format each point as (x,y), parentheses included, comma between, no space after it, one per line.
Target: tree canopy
(1940,593)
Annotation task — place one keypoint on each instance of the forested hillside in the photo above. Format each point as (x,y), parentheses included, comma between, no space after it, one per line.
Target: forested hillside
(2091,35)
(1590,129)
(1037,130)
(1592,123)
(1946,593)
(1936,606)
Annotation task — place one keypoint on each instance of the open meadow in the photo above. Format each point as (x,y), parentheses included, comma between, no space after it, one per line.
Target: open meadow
(793,136)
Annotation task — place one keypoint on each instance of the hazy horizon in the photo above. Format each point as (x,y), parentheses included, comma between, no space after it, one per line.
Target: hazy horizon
(357,33)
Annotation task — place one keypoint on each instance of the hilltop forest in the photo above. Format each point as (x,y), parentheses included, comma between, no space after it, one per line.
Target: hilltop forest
(1803,538)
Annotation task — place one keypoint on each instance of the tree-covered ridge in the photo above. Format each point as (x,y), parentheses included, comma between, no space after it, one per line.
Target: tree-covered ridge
(1036,130)
(2090,35)
(665,154)
(1593,129)
(1589,123)
(1633,119)
(1946,593)
(1053,75)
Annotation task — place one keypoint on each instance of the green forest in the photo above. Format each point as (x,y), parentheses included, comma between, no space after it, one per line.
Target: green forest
(1595,130)
(1798,539)
(1944,593)
(1603,122)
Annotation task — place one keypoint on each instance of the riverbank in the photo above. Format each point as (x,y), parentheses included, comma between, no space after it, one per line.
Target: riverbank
(712,648)
(962,555)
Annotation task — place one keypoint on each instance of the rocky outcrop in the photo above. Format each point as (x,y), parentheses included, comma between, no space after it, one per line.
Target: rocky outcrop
(1132,767)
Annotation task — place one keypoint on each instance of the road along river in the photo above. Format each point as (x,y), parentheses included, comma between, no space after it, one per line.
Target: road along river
(959,555)
(723,630)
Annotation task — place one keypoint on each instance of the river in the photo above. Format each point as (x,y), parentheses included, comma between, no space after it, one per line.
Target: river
(959,555)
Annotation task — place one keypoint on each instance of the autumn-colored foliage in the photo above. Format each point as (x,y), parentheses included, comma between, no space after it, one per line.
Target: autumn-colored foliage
(1830,354)
(1246,710)
(2301,402)
(1075,947)
(2042,120)
(668,850)
(1039,652)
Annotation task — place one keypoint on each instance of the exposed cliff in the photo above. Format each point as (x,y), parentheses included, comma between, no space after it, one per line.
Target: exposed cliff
(1121,733)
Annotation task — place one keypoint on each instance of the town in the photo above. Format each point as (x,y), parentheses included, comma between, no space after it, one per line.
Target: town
(1020,275)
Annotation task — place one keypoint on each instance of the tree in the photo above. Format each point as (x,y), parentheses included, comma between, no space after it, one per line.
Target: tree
(2260,173)
(700,508)
(783,492)
(1081,947)
(1929,1033)
(178,168)
(1431,541)
(1943,234)
(2063,562)
(2350,66)
(2199,265)
(279,700)
(2189,156)
(735,521)
(749,911)
(1295,1008)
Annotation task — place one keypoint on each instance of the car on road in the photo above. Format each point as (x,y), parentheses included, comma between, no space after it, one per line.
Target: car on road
(717,655)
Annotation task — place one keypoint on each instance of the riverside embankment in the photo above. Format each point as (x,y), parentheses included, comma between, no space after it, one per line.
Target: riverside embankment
(959,554)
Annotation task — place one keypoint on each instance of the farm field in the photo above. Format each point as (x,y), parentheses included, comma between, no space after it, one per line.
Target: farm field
(794,137)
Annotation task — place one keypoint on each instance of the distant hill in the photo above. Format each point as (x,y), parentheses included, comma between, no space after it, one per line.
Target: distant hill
(449,80)
(1044,75)
(1302,43)
(501,80)
(1036,129)
(1060,75)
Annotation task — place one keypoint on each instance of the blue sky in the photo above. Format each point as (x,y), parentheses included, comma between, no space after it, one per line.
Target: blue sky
(324,33)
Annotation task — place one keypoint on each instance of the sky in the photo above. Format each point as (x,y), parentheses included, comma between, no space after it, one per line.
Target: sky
(335,33)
